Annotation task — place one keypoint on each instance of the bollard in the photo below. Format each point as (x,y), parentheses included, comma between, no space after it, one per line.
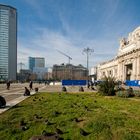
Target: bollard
(81,89)
(36,89)
(64,89)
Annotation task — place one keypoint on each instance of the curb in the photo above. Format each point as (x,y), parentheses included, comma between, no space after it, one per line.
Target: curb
(12,103)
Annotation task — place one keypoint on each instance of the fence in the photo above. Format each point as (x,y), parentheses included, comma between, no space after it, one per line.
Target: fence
(132,83)
(74,82)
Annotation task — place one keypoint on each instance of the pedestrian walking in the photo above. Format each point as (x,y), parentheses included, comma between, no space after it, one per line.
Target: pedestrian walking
(31,85)
(8,85)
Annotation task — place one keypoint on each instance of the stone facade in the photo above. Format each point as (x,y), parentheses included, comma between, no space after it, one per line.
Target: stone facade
(69,71)
(126,65)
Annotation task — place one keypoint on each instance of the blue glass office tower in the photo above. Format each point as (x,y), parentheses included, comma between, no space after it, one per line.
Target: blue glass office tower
(31,63)
(35,62)
(8,43)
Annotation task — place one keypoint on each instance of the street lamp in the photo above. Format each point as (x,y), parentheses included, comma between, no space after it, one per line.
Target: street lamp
(88,52)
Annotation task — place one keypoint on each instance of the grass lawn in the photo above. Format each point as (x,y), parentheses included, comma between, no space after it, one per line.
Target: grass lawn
(81,116)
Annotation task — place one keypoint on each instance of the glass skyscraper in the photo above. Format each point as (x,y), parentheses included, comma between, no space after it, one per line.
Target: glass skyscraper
(8,42)
(31,63)
(35,62)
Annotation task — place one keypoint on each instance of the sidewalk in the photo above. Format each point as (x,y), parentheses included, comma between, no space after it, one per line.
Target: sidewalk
(15,101)
(12,103)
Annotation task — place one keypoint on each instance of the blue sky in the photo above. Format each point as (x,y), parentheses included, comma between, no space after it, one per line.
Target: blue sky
(45,26)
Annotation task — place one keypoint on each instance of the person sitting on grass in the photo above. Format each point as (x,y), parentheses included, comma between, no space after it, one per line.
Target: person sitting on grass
(27,92)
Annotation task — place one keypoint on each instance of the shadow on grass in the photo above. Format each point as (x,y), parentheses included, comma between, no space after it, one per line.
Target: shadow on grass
(18,106)
(5,107)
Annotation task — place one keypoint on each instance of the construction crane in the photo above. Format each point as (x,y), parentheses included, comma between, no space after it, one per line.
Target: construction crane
(69,58)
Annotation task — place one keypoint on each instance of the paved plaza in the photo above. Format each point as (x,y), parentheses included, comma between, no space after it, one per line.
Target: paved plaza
(15,94)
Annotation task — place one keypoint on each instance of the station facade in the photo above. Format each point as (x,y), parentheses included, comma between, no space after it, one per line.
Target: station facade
(126,65)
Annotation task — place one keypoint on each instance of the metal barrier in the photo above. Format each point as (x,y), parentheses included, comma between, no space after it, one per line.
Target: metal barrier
(74,82)
(132,82)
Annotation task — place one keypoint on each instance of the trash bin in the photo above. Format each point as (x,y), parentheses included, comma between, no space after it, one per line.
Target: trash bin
(81,89)
(36,89)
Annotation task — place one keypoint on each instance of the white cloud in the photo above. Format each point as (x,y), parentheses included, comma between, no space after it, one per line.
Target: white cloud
(45,43)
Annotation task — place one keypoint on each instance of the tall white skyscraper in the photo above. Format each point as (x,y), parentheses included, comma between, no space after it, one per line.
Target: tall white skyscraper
(8,42)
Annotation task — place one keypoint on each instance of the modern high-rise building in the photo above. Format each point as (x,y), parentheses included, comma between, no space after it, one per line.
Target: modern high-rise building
(8,42)
(35,62)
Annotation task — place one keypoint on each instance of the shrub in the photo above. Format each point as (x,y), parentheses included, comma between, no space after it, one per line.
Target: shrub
(130,92)
(106,87)
(137,93)
(125,93)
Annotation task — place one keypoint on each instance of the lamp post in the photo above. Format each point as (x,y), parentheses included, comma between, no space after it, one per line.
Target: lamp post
(88,52)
